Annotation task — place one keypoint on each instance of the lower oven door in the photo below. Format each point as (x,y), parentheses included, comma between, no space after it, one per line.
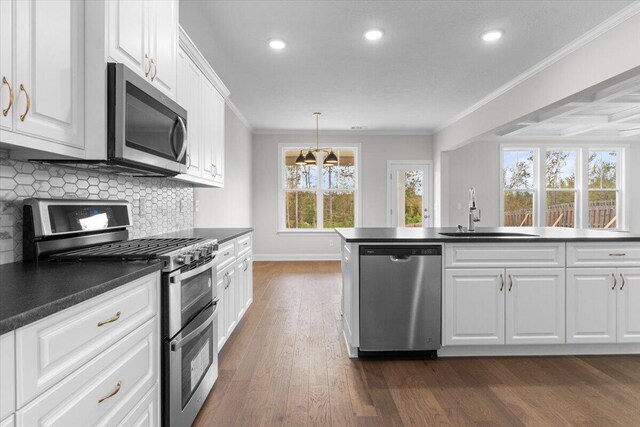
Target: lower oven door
(193,367)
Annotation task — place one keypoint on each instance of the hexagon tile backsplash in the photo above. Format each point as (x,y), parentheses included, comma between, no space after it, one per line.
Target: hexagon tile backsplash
(160,205)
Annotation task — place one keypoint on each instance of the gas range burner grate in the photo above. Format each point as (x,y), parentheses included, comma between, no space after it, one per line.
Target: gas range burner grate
(130,250)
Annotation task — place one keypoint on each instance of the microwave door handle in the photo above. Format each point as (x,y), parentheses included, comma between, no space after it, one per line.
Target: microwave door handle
(185,140)
(177,344)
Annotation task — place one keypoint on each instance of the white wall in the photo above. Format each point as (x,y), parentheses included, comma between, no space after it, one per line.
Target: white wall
(374,152)
(230,206)
(478,165)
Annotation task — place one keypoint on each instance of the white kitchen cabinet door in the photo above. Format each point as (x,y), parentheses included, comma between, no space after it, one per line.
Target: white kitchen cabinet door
(248,274)
(209,119)
(128,39)
(628,325)
(222,308)
(163,44)
(591,305)
(474,307)
(7,374)
(231,301)
(218,146)
(190,97)
(7,83)
(535,306)
(241,287)
(49,67)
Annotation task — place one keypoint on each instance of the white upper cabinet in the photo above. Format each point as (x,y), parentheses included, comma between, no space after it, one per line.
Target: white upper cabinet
(591,305)
(202,94)
(163,44)
(628,305)
(535,308)
(6,65)
(143,35)
(42,61)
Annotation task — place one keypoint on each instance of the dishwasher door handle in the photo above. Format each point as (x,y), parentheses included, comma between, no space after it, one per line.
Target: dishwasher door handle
(399,258)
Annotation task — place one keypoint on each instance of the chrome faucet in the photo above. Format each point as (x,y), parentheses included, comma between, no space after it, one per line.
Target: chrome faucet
(472,207)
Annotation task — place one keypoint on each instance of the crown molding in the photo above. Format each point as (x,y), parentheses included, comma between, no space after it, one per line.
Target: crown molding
(339,132)
(239,115)
(613,21)
(201,62)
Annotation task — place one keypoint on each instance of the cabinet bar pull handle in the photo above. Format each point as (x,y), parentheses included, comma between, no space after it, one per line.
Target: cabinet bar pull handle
(111,393)
(6,110)
(620,254)
(622,278)
(226,254)
(146,72)
(22,116)
(245,243)
(501,282)
(510,283)
(155,69)
(615,282)
(110,320)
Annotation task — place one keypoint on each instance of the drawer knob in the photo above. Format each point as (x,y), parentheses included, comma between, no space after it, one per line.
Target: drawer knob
(226,254)
(110,320)
(621,254)
(111,393)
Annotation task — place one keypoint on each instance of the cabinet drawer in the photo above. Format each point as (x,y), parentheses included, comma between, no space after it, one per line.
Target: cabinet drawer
(104,390)
(504,255)
(9,422)
(226,254)
(54,347)
(603,254)
(244,244)
(7,375)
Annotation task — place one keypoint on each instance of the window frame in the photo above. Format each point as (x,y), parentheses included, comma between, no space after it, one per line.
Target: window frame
(582,180)
(319,190)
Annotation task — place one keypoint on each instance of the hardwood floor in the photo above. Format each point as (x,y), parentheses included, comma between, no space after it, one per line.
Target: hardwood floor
(286,364)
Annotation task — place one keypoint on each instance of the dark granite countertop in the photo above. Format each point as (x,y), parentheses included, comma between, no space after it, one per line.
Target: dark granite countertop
(221,234)
(546,234)
(30,292)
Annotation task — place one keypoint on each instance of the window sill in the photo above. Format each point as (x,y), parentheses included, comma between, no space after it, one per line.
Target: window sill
(327,232)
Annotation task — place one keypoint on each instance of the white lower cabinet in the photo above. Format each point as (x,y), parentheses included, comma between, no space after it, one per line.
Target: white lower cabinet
(9,422)
(7,375)
(492,306)
(602,305)
(104,390)
(234,285)
(146,413)
(535,306)
(474,306)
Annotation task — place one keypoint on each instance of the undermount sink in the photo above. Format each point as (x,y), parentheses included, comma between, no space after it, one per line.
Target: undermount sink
(486,234)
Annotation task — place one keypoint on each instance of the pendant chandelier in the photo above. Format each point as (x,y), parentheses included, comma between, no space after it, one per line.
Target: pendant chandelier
(309,158)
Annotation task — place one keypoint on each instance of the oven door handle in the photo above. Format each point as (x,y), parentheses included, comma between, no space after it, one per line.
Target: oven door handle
(178,344)
(178,276)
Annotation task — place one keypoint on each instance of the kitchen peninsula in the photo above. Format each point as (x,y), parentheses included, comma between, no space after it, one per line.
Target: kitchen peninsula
(514,291)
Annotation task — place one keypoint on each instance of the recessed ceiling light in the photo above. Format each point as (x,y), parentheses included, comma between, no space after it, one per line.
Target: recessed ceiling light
(373,34)
(277,44)
(493,35)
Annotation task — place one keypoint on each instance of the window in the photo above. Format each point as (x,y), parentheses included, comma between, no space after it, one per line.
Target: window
(318,197)
(563,187)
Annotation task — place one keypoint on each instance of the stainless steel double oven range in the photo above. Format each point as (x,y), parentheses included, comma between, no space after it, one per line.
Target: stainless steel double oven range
(83,230)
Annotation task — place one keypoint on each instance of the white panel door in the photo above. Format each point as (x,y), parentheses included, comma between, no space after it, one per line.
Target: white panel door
(7,374)
(10,421)
(222,308)
(209,117)
(535,306)
(128,39)
(163,39)
(591,305)
(7,83)
(49,44)
(628,305)
(240,288)
(190,96)
(218,154)
(474,306)
(248,272)
(230,300)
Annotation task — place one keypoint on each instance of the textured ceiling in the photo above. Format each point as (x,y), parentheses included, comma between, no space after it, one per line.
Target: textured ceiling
(430,65)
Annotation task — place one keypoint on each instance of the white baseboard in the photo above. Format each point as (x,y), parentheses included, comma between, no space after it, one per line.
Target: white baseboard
(296,257)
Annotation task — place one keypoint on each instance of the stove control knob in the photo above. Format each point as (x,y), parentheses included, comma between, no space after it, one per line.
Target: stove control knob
(195,254)
(188,257)
(180,259)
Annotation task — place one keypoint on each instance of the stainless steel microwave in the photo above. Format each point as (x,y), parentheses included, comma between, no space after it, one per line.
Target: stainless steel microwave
(146,130)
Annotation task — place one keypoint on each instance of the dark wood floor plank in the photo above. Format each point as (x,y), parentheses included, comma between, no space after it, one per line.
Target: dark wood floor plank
(286,365)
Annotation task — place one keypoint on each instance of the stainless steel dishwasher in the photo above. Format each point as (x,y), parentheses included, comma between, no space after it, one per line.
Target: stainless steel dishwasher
(400,299)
